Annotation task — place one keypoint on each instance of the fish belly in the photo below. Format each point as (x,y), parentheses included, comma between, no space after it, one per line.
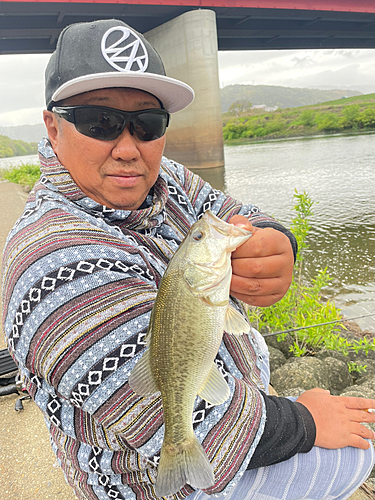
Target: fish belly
(186,335)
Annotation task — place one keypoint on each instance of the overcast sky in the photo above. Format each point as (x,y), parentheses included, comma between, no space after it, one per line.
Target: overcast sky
(22,76)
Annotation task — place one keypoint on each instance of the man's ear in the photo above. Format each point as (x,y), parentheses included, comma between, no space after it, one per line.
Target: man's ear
(52,127)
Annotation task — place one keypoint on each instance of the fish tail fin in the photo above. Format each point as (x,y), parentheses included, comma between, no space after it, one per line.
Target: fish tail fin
(181,465)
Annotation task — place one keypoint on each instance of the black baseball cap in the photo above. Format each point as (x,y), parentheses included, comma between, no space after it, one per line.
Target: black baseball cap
(109,53)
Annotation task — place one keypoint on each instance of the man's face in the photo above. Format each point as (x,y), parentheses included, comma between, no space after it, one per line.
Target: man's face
(118,173)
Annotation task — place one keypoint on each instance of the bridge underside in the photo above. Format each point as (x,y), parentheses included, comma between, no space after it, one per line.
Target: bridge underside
(33,27)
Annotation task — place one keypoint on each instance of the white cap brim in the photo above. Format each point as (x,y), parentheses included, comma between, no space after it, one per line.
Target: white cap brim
(174,94)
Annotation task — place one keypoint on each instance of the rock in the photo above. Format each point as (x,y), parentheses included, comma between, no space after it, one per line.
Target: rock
(277,358)
(370,485)
(309,372)
(366,389)
(282,346)
(368,381)
(359,391)
(339,376)
(305,373)
(359,495)
(293,392)
(328,353)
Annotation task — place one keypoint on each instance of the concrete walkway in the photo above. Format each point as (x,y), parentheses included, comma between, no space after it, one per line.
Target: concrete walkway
(27,463)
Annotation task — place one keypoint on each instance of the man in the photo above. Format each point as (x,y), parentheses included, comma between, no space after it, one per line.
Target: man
(81,271)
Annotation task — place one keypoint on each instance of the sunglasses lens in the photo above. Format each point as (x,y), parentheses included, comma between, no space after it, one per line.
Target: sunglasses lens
(150,125)
(99,124)
(107,124)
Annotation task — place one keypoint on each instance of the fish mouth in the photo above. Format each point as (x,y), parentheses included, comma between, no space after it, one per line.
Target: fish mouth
(204,277)
(235,235)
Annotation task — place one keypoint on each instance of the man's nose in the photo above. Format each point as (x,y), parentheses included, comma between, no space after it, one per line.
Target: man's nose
(126,147)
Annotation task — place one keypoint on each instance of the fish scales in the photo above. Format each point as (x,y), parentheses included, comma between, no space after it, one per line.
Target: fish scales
(194,325)
(189,316)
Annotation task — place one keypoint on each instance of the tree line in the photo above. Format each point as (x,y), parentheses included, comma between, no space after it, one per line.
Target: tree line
(355,114)
(10,147)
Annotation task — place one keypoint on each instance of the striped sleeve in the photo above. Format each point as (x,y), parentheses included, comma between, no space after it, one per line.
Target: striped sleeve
(77,303)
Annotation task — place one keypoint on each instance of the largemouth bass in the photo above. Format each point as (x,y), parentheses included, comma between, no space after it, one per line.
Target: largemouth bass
(190,314)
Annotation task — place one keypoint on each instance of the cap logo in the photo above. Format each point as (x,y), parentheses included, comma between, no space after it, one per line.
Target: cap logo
(124,50)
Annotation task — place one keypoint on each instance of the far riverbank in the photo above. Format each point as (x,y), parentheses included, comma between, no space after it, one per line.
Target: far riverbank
(354,115)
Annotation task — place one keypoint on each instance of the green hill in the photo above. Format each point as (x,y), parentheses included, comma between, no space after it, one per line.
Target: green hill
(10,147)
(283,97)
(354,114)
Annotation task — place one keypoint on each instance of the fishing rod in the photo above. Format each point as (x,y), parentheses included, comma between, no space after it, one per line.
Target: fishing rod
(318,324)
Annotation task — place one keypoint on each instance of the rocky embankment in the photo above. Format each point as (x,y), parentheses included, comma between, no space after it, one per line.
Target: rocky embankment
(327,369)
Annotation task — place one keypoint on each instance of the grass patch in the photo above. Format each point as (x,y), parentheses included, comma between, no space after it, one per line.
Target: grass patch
(26,174)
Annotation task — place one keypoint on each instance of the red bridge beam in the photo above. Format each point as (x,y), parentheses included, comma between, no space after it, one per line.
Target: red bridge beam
(325,5)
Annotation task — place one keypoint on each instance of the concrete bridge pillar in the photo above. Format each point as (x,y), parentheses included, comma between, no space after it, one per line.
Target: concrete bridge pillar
(188,47)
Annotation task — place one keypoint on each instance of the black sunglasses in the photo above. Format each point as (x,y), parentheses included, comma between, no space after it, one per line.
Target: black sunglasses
(106,124)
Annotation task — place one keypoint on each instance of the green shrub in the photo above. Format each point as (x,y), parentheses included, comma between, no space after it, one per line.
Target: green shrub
(9,147)
(351,114)
(306,119)
(337,116)
(303,305)
(328,122)
(366,119)
(233,130)
(26,174)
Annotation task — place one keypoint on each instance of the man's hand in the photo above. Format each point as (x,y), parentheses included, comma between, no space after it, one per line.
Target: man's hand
(262,267)
(339,419)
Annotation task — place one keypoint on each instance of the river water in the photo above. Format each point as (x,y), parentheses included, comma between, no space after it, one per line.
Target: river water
(338,173)
(18,160)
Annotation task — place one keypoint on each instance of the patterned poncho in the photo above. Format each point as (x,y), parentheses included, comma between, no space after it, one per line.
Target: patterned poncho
(79,281)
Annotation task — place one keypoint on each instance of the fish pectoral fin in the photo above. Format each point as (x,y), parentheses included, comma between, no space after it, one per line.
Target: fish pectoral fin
(141,379)
(235,323)
(215,390)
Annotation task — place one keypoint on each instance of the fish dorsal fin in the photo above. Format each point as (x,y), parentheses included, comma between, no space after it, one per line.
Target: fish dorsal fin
(235,323)
(141,379)
(215,390)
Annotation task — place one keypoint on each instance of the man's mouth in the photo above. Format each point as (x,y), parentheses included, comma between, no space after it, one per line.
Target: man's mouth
(125,179)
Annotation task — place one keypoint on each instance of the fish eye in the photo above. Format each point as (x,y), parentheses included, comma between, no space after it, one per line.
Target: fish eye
(197,235)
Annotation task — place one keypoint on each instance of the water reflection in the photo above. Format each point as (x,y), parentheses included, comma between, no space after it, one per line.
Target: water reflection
(338,173)
(348,252)
(14,161)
